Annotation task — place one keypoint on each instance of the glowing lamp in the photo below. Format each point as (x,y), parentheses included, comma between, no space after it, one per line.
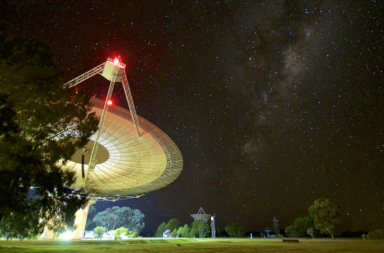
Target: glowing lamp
(116,61)
(67,235)
(109,102)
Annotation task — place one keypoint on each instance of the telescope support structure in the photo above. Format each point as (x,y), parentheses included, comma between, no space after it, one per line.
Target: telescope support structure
(113,70)
(96,70)
(93,161)
(131,105)
(213,227)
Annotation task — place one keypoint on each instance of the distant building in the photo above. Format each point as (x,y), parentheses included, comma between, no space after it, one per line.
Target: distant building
(167,233)
(89,234)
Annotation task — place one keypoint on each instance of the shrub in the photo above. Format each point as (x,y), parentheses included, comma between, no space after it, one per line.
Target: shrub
(234,229)
(99,231)
(127,232)
(291,231)
(377,234)
(122,230)
(364,236)
(280,236)
(134,235)
(300,227)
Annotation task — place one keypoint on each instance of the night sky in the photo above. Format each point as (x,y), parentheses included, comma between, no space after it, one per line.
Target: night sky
(272,104)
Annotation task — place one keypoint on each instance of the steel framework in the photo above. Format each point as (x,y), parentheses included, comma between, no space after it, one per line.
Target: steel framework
(113,70)
(213,228)
(276,226)
(96,70)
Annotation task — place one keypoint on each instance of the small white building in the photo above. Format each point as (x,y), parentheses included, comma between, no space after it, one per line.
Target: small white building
(167,233)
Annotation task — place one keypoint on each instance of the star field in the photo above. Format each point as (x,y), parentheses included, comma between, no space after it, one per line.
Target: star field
(272,104)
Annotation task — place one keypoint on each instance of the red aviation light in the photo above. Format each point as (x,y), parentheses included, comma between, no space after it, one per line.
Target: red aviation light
(109,102)
(117,62)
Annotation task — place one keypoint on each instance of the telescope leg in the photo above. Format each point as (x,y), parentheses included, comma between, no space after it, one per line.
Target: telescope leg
(131,105)
(93,161)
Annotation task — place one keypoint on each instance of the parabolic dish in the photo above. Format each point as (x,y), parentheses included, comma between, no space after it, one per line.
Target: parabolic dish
(201,216)
(128,165)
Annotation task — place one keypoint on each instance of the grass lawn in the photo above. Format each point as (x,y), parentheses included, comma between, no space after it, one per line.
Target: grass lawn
(194,245)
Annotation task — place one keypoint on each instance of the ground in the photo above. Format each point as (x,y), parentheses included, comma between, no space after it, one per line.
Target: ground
(194,245)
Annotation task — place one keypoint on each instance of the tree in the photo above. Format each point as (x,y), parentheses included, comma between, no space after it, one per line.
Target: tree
(299,227)
(107,219)
(234,229)
(325,216)
(133,219)
(192,233)
(218,232)
(46,121)
(57,224)
(160,230)
(201,227)
(186,230)
(99,231)
(41,126)
(120,217)
(180,232)
(173,224)
(90,225)
(174,233)
(7,125)
(12,224)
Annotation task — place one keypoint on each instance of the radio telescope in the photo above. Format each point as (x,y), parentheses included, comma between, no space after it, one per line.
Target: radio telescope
(201,215)
(127,157)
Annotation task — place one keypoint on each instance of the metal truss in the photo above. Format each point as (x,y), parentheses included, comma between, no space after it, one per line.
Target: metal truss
(93,161)
(131,106)
(96,70)
(111,199)
(213,228)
